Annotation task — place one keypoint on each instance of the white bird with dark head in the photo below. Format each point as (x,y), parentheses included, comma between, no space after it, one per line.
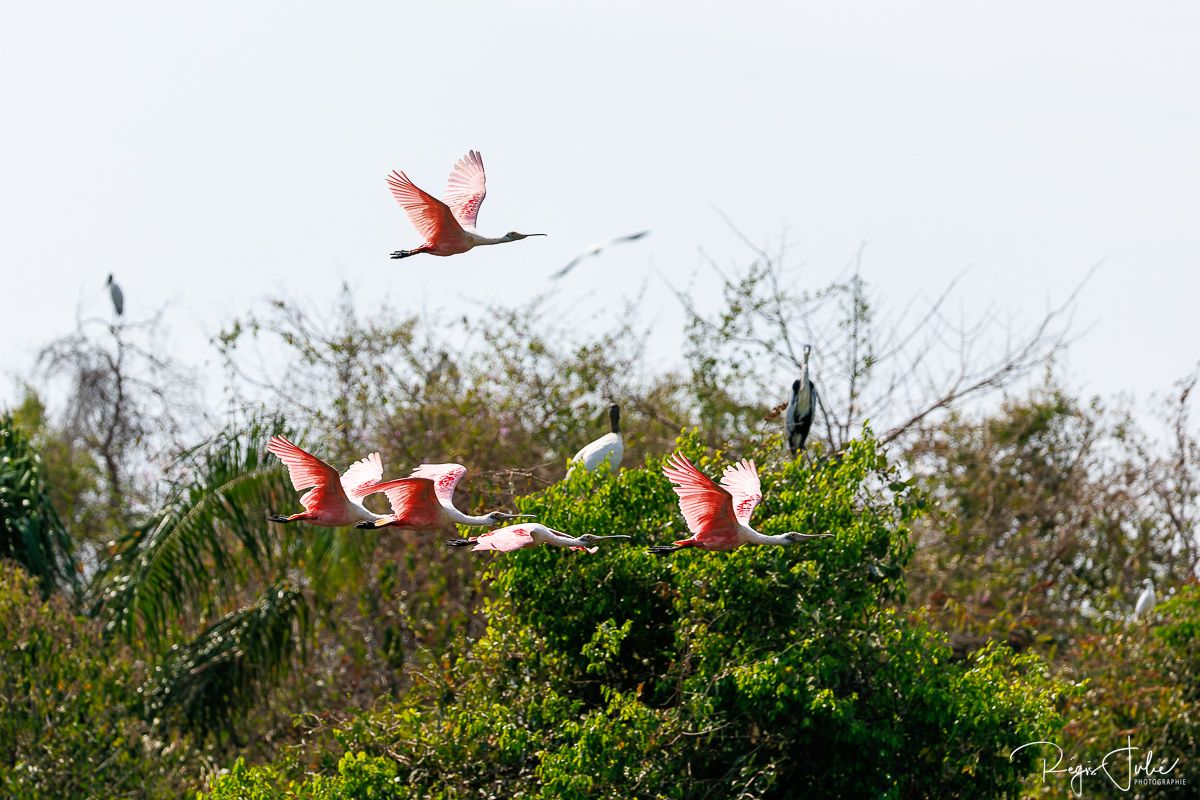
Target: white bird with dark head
(608,449)
(1146,601)
(801,408)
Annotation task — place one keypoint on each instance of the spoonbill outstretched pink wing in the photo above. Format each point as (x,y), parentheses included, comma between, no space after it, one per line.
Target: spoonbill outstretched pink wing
(361,478)
(415,505)
(706,507)
(445,478)
(432,218)
(741,481)
(466,189)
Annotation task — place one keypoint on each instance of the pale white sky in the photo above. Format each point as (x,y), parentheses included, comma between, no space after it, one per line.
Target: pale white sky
(210,154)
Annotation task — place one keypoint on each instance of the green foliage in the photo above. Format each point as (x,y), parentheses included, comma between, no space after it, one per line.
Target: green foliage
(30,530)
(208,683)
(67,728)
(72,474)
(358,777)
(1140,682)
(1042,521)
(768,671)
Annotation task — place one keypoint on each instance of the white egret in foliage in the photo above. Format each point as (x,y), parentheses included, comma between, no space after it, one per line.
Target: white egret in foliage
(719,516)
(118,297)
(608,449)
(332,500)
(519,537)
(801,408)
(449,227)
(595,250)
(425,500)
(1146,601)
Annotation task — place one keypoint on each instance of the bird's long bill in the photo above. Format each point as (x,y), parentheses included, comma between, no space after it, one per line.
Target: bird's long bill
(536,234)
(614,536)
(517,516)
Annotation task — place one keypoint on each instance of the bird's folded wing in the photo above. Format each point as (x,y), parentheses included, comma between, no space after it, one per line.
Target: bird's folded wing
(514,537)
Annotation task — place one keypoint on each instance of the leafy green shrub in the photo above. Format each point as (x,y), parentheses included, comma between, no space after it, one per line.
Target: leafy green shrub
(765,672)
(67,729)
(358,776)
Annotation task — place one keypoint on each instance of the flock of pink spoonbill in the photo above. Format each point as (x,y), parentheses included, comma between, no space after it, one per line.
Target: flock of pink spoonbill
(717,515)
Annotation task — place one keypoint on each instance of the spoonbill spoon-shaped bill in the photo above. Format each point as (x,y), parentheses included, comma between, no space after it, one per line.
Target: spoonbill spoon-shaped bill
(448,227)
(530,534)
(596,249)
(332,501)
(1146,600)
(801,407)
(719,516)
(425,500)
(608,449)
(118,297)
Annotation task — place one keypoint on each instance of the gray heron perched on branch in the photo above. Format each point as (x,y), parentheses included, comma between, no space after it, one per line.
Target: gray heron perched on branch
(118,297)
(801,408)
(609,448)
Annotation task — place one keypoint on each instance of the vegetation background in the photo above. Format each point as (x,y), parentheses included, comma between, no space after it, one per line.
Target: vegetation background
(159,638)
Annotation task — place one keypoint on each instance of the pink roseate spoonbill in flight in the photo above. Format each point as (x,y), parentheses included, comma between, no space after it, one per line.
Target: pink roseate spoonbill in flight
(595,250)
(530,534)
(332,501)
(449,227)
(425,500)
(608,449)
(719,516)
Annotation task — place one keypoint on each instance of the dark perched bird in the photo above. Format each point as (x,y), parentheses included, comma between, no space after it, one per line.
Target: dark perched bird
(800,409)
(118,297)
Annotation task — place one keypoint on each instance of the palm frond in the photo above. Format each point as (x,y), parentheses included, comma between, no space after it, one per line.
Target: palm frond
(31,532)
(206,685)
(210,538)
